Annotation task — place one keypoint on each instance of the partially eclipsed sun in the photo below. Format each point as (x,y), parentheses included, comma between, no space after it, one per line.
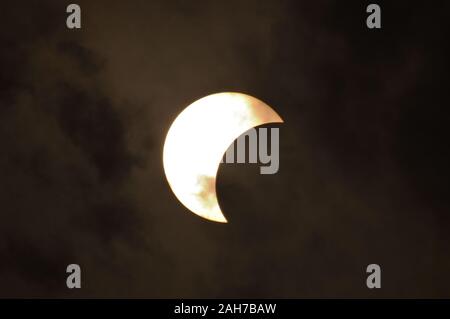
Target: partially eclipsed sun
(197,141)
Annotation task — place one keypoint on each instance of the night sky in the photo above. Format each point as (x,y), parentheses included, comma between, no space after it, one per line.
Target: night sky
(364,151)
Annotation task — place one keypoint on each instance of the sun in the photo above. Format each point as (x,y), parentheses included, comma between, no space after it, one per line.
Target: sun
(197,141)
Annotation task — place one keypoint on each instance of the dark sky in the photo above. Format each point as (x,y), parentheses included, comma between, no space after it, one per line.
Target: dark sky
(364,170)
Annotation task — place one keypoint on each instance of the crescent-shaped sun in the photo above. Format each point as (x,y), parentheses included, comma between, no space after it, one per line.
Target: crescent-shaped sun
(197,140)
